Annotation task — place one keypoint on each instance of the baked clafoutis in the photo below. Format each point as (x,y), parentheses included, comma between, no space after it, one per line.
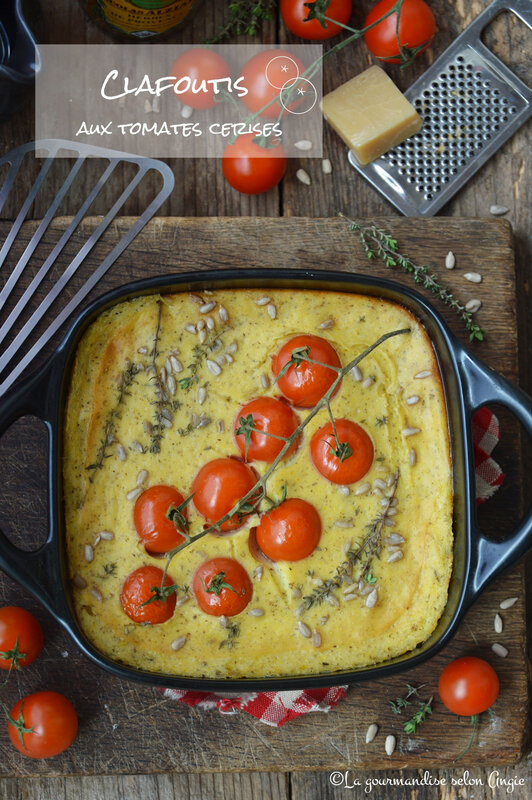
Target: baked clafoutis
(243,497)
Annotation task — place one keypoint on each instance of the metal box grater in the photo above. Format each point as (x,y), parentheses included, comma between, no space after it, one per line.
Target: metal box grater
(471,103)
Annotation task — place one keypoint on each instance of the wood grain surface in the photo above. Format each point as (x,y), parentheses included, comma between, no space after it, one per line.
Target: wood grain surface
(124,725)
(200,190)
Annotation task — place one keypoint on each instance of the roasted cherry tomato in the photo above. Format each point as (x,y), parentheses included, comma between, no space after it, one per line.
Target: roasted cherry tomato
(273,416)
(267,74)
(200,65)
(346,467)
(290,532)
(158,533)
(468,686)
(304,384)
(222,586)
(417,27)
(250,168)
(295,13)
(138,588)
(218,486)
(21,637)
(45,724)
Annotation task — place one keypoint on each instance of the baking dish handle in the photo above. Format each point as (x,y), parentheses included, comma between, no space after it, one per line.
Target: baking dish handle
(483,385)
(33,569)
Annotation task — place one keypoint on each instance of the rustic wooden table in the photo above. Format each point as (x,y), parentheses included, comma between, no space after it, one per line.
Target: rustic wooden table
(201,191)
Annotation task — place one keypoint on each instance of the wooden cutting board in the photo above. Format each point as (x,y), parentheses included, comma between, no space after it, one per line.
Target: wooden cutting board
(129,728)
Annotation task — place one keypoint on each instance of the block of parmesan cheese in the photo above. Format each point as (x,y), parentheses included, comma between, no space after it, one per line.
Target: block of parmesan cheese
(370,114)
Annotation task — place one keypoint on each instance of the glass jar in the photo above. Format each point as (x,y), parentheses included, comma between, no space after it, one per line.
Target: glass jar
(19,58)
(141,19)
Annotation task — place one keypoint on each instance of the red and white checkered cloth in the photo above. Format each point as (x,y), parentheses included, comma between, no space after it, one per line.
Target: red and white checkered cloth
(276,708)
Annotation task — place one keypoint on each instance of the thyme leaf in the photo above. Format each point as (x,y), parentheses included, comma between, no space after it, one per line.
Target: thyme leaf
(411,725)
(244,17)
(399,703)
(233,631)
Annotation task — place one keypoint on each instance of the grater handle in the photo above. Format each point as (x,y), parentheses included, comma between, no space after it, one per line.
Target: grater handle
(36,570)
(521,8)
(489,558)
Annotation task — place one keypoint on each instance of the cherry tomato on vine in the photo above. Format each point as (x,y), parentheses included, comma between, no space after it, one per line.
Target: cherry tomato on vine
(271,415)
(250,168)
(138,589)
(218,486)
(21,638)
(417,27)
(348,468)
(222,586)
(304,384)
(158,533)
(199,64)
(468,686)
(53,722)
(295,13)
(265,76)
(290,532)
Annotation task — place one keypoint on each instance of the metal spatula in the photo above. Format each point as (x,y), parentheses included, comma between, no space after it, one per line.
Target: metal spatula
(471,103)
(111,161)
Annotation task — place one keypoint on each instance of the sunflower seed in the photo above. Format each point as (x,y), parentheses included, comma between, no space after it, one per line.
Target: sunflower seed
(379,484)
(79,582)
(207,307)
(304,630)
(190,327)
(88,553)
(263,301)
(229,358)
(96,594)
(168,366)
(221,425)
(372,598)
(317,581)
(204,420)
(326,324)
(333,600)
(347,546)
(177,366)
(194,419)
(177,644)
(148,427)
(202,394)
(353,587)
(371,732)
(210,323)
(410,431)
(391,512)
(120,453)
(450,260)
(142,351)
(303,144)
(498,211)
(220,360)
(498,623)
(393,548)
(224,622)
(395,556)
(162,374)
(233,347)
(473,277)
(299,610)
(316,639)
(171,384)
(186,112)
(107,535)
(296,592)
(412,458)
(272,311)
(137,446)
(202,336)
(166,423)
(257,612)
(499,649)
(96,541)
(343,523)
(258,573)
(473,306)
(265,381)
(508,603)
(167,414)
(182,600)
(363,488)
(134,493)
(303,176)
(367,383)
(140,366)
(345,490)
(425,373)
(196,299)
(142,477)
(412,400)
(223,314)
(326,166)
(213,367)
(394,538)
(356,373)
(200,325)
(349,597)
(389,744)
(324,619)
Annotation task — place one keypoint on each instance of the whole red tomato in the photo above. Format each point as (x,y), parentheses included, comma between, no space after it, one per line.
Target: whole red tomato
(222,586)
(290,532)
(45,724)
(468,686)
(250,168)
(338,470)
(21,637)
(265,76)
(295,13)
(138,590)
(200,65)
(158,533)
(273,416)
(218,487)
(417,27)
(305,383)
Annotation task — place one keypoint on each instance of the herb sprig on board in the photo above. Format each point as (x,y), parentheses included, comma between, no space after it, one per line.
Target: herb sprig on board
(245,17)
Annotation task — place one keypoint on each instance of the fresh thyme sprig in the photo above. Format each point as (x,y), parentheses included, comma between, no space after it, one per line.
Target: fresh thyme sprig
(399,703)
(424,710)
(245,17)
(233,631)
(125,379)
(200,353)
(378,244)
